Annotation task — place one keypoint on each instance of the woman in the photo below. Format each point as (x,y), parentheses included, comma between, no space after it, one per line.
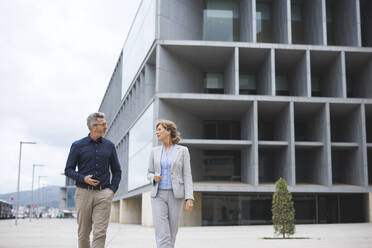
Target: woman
(170,174)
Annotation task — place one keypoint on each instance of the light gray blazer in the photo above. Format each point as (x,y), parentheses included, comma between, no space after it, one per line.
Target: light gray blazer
(180,171)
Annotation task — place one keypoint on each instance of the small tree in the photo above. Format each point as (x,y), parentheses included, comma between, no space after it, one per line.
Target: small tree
(283,210)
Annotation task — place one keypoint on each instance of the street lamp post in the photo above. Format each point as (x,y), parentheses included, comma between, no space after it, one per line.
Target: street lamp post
(32,188)
(38,195)
(19,174)
(45,195)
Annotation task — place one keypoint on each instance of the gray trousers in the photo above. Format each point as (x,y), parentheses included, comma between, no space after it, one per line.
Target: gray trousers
(166,211)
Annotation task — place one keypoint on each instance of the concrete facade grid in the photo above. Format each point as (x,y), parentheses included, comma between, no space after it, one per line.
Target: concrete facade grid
(337,139)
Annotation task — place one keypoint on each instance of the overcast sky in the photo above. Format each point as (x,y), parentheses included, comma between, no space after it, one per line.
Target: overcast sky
(56,59)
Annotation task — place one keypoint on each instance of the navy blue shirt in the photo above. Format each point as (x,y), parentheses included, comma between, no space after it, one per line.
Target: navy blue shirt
(94,158)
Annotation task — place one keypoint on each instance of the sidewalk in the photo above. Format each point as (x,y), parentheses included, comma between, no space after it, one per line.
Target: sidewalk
(50,233)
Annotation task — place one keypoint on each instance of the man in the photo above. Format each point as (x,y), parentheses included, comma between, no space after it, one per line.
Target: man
(94,156)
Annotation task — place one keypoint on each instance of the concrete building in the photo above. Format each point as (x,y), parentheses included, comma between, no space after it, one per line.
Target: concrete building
(67,193)
(259,89)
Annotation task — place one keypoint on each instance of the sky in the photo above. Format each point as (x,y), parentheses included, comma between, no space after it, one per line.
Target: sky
(56,60)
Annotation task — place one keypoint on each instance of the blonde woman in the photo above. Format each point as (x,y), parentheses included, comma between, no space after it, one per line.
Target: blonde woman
(170,174)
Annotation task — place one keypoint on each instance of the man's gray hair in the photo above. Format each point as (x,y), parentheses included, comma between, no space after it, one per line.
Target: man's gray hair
(92,118)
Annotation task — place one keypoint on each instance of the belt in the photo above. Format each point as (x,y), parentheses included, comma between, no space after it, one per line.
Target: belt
(89,187)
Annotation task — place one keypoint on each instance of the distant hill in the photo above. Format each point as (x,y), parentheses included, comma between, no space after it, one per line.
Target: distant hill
(49,194)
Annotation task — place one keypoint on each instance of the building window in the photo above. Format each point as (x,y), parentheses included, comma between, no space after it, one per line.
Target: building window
(235,209)
(297,22)
(247,84)
(139,148)
(221,20)
(263,22)
(330,24)
(252,209)
(315,87)
(222,130)
(70,201)
(365,22)
(282,86)
(221,165)
(213,83)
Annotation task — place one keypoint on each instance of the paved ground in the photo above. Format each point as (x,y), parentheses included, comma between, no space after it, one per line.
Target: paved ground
(50,233)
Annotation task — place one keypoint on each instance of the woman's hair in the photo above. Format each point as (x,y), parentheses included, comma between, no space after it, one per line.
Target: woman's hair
(170,126)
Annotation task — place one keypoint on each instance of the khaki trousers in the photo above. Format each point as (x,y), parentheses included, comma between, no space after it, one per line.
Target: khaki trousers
(93,208)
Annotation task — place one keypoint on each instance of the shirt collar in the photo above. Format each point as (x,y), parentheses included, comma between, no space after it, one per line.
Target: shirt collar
(170,149)
(99,140)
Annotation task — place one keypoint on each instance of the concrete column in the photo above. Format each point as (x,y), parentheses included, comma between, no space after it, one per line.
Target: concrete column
(359,176)
(149,87)
(343,72)
(324,22)
(370,206)
(366,20)
(281,21)
(291,148)
(146,210)
(308,73)
(327,145)
(266,76)
(195,217)
(288,17)
(286,162)
(247,20)
(335,77)
(325,178)
(313,22)
(130,211)
(272,71)
(363,146)
(248,154)
(347,26)
(236,71)
(299,78)
(247,169)
(365,90)
(230,75)
(358,23)
(255,143)
(115,211)
(157,68)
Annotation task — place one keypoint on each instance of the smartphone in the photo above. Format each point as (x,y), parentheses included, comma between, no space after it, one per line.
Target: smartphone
(95,177)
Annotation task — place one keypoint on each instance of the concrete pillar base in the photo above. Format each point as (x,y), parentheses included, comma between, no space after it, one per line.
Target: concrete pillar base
(115,212)
(146,210)
(370,206)
(195,217)
(130,211)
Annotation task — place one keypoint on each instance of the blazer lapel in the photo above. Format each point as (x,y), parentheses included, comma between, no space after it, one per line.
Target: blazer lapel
(157,159)
(176,153)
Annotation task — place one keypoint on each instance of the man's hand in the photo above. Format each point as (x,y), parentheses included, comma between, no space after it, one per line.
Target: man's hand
(189,205)
(88,180)
(113,193)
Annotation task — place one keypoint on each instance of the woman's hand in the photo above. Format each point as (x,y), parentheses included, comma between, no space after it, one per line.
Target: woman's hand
(189,205)
(157,178)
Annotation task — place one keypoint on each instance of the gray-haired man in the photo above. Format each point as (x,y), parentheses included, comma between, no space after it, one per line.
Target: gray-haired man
(94,156)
